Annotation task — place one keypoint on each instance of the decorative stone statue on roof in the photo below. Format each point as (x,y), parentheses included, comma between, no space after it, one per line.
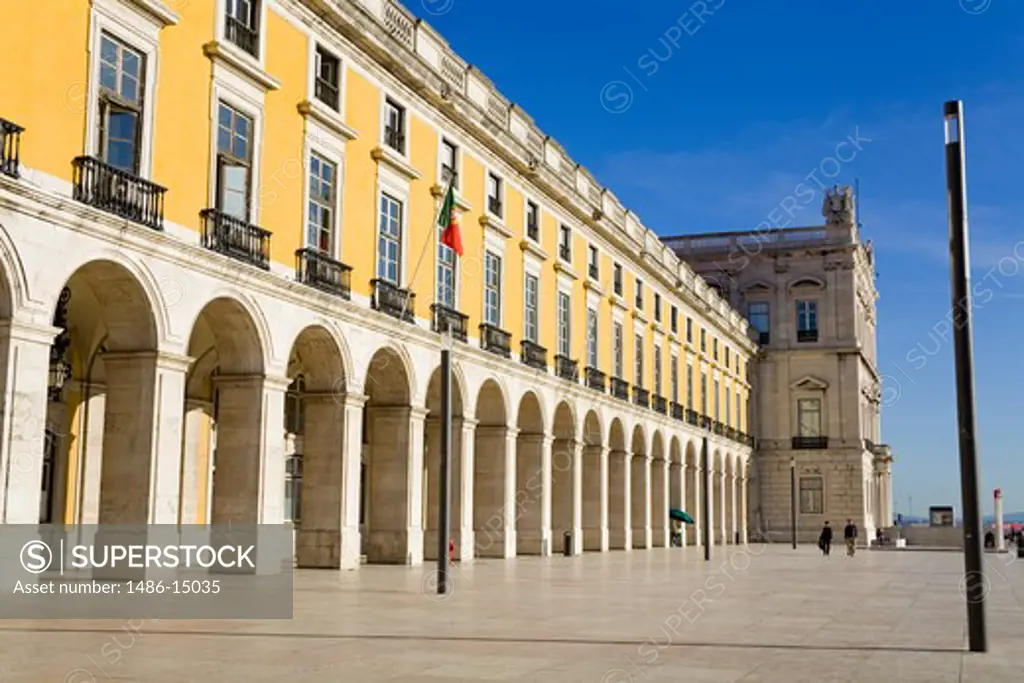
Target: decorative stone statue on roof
(837,208)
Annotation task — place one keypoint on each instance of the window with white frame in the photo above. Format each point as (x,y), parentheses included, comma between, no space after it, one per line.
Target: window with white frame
(674,319)
(689,387)
(806,321)
(121,102)
(394,125)
(242,24)
(809,417)
(812,495)
(494,195)
(565,243)
(449,163)
(689,330)
(617,349)
(657,370)
(533,221)
(657,307)
(492,289)
(638,361)
(327,78)
(593,260)
(739,410)
(389,240)
(703,393)
(759,317)
(591,337)
(445,273)
(564,324)
(674,369)
(320,226)
(639,295)
(715,397)
(617,279)
(728,407)
(234,161)
(530,299)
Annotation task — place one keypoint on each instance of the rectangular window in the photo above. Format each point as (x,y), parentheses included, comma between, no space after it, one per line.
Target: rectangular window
(809,416)
(674,319)
(533,221)
(703,393)
(449,163)
(617,349)
(492,289)
(593,269)
(564,324)
(322,183)
(806,321)
(592,338)
(657,307)
(715,396)
(657,370)
(812,498)
(389,240)
(120,100)
(638,299)
(638,364)
(728,408)
(327,83)
(234,162)
(241,24)
(674,369)
(759,317)
(727,359)
(445,273)
(703,341)
(714,349)
(565,243)
(494,204)
(617,279)
(394,126)
(530,296)
(689,387)
(689,330)
(739,412)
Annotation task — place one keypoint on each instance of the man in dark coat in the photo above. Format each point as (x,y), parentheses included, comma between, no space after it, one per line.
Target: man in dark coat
(850,534)
(825,539)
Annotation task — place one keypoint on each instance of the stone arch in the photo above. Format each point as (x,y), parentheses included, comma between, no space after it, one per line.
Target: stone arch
(329,341)
(533,477)
(595,489)
(660,530)
(717,497)
(432,457)
(676,479)
(493,521)
(640,488)
(694,486)
(16,294)
(619,529)
(729,483)
(391,527)
(565,462)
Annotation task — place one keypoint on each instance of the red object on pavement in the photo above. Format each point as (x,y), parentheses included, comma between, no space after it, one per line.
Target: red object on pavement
(451,550)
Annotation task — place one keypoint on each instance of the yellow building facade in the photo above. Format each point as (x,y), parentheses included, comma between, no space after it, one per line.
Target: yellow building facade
(220,216)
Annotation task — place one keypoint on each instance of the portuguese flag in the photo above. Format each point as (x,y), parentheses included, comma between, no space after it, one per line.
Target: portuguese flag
(448,220)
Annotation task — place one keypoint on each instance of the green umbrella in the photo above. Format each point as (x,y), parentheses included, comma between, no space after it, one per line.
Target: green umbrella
(677,514)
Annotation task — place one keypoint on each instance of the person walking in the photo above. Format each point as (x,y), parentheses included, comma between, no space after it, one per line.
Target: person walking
(850,534)
(825,539)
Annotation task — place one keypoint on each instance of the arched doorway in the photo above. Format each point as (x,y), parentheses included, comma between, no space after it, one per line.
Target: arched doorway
(717,497)
(565,463)
(640,490)
(694,486)
(493,475)
(730,499)
(391,529)
(533,479)
(595,485)
(432,466)
(676,479)
(659,493)
(619,531)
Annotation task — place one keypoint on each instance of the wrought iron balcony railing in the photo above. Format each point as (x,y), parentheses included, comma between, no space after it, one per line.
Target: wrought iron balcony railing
(118,192)
(764,338)
(242,35)
(596,379)
(676,410)
(10,147)
(730,433)
(395,139)
(445,318)
(807,335)
(641,397)
(718,428)
(810,442)
(706,422)
(749,440)
(692,417)
(318,270)
(391,299)
(620,388)
(236,238)
(495,340)
(659,404)
(533,354)
(567,368)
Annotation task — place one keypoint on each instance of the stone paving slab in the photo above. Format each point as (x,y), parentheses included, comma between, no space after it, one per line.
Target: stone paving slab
(760,614)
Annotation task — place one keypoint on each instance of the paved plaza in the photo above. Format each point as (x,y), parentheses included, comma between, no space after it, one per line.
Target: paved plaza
(766,613)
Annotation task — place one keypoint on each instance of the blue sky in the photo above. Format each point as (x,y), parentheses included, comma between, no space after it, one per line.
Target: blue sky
(706,124)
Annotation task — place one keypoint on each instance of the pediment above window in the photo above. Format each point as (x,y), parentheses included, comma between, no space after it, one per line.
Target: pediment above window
(758,287)
(807,283)
(809,383)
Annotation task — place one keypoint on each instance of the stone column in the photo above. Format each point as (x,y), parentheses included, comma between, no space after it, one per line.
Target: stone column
(350,556)
(660,530)
(89,449)
(193,470)
(733,521)
(533,496)
(720,529)
(595,498)
(494,491)
(24,370)
(744,524)
(708,489)
(620,530)
(432,475)
(693,532)
(465,542)
(142,437)
(564,465)
(640,490)
(577,498)
(318,537)
(681,474)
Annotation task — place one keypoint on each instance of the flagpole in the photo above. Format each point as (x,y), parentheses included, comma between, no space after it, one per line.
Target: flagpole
(426,244)
(444,518)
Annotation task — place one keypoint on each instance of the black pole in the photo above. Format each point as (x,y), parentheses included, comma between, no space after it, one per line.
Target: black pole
(960,274)
(792,500)
(705,513)
(444,518)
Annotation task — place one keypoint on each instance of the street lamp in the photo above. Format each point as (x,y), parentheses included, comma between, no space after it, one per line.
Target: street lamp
(792,499)
(705,513)
(60,368)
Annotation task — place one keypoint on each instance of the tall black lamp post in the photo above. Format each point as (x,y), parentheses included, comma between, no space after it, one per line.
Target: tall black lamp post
(792,499)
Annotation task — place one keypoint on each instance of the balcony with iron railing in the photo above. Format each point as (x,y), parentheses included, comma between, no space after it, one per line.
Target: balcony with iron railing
(641,397)
(807,335)
(595,379)
(660,404)
(118,192)
(567,368)
(706,422)
(444,318)
(495,340)
(692,417)
(718,428)
(10,148)
(390,299)
(316,269)
(810,442)
(236,238)
(533,355)
(730,433)
(677,411)
(243,35)
(620,388)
